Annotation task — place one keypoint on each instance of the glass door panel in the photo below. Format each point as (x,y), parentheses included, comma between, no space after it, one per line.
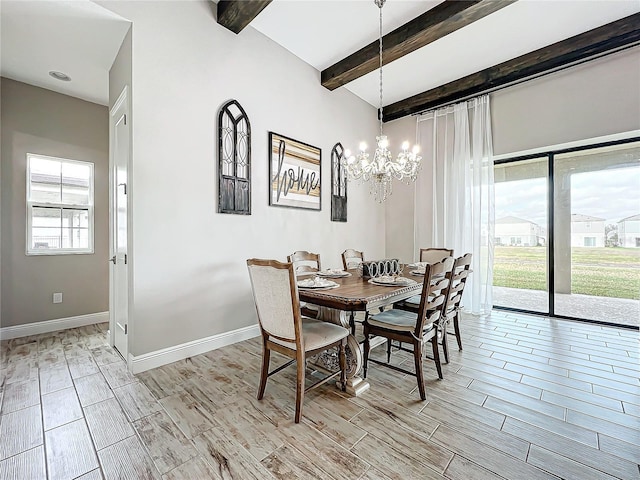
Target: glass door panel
(597,234)
(520,256)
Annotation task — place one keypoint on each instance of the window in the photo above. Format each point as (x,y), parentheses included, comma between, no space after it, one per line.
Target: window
(589,241)
(59,206)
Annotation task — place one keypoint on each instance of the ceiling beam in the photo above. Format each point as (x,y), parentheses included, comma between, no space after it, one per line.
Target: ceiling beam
(237,14)
(597,42)
(435,23)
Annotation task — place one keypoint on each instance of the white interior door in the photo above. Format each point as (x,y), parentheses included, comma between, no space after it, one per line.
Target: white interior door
(119,323)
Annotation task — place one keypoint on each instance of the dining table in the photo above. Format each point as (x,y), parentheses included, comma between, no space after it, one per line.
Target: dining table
(347,294)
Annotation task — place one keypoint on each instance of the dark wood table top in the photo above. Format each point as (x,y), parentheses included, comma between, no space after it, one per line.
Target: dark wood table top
(357,294)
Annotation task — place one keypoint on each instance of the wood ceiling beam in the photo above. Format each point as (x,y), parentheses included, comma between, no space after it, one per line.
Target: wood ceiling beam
(435,23)
(237,14)
(597,42)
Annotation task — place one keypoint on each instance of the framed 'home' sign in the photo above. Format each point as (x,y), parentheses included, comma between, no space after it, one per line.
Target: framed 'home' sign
(294,173)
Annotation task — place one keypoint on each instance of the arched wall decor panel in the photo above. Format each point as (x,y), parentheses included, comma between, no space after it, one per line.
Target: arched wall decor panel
(338,185)
(234,160)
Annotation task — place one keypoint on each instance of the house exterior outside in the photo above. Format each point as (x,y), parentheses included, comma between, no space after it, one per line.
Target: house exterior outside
(587,231)
(518,232)
(629,232)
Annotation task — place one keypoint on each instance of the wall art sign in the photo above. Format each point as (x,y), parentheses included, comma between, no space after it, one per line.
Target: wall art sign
(338,185)
(294,173)
(234,160)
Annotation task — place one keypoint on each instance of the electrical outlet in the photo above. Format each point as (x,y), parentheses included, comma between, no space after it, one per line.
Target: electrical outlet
(57,298)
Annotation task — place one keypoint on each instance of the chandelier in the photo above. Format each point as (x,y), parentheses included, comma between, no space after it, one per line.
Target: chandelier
(380,171)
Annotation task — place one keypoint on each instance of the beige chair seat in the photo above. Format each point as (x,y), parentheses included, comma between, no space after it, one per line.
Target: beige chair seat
(399,320)
(316,334)
(275,294)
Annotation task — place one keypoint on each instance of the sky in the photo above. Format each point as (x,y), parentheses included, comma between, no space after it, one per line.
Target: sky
(609,194)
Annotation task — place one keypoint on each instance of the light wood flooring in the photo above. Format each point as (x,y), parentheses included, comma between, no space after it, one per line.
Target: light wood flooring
(528,398)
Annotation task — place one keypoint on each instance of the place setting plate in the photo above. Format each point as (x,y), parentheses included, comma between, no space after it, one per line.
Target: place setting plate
(333,273)
(317,283)
(389,281)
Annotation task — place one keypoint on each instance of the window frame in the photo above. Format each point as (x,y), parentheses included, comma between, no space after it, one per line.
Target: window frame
(31,204)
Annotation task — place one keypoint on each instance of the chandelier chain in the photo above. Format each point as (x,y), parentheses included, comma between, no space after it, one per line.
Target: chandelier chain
(380,52)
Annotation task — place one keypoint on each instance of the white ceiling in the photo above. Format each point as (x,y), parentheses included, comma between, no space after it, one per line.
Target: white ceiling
(323,32)
(81,39)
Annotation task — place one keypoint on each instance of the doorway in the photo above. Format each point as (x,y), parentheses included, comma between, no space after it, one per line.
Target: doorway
(119,213)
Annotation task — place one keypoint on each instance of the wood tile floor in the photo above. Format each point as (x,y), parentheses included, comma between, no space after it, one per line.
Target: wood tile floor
(528,398)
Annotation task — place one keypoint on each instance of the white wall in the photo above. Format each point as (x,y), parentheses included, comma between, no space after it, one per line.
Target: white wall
(190,279)
(399,212)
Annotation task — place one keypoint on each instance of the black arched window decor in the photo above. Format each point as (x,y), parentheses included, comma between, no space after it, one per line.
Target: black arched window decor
(338,185)
(234,160)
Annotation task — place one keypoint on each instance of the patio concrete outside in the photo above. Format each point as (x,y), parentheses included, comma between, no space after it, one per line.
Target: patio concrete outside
(621,311)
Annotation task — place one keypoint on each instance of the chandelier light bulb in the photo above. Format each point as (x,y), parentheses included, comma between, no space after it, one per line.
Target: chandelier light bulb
(416,149)
(405,146)
(363,146)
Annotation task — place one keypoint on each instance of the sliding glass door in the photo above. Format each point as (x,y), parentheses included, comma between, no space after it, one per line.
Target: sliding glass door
(597,234)
(567,233)
(520,255)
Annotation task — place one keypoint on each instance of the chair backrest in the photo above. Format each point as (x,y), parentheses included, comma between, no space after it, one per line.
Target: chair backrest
(304,261)
(461,271)
(352,258)
(437,277)
(435,255)
(275,294)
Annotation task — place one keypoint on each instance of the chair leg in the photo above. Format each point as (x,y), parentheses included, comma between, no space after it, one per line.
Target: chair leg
(417,357)
(264,374)
(300,364)
(456,327)
(367,346)
(388,350)
(445,344)
(342,356)
(436,355)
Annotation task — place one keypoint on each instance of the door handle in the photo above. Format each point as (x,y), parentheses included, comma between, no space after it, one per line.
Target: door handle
(113,259)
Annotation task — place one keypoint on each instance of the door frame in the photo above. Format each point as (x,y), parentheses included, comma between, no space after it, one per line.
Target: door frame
(122,98)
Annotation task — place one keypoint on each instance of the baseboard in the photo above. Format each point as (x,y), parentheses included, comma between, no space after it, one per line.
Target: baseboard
(147,361)
(47,326)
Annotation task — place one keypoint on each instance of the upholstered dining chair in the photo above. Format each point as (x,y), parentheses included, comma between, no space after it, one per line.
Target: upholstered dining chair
(305,262)
(352,258)
(451,308)
(434,255)
(413,328)
(284,330)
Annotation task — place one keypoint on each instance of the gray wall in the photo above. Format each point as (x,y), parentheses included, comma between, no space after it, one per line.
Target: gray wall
(35,120)
(595,99)
(120,73)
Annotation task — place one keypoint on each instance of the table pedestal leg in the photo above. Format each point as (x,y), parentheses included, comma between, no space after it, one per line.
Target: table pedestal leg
(356,385)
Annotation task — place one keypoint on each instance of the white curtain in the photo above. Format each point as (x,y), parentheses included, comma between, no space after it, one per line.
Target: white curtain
(454,202)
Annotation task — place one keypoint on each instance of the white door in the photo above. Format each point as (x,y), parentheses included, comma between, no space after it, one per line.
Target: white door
(119,213)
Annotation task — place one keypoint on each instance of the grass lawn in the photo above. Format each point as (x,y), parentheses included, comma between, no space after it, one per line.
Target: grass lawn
(603,272)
